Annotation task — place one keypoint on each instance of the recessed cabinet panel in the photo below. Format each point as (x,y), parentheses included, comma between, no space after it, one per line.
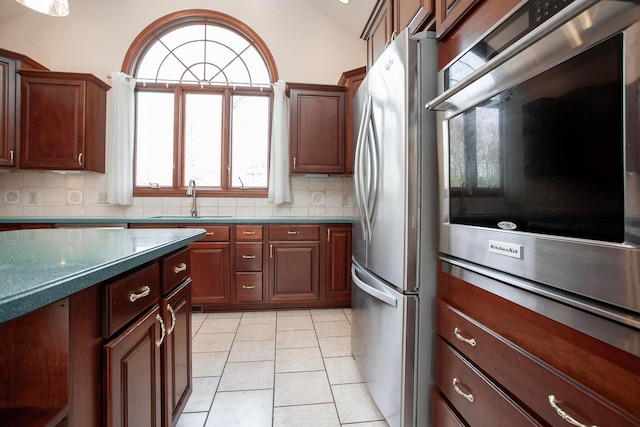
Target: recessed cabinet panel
(295,271)
(211,272)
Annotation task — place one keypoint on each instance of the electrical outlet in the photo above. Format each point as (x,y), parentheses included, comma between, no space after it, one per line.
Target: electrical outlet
(345,200)
(33,198)
(102,198)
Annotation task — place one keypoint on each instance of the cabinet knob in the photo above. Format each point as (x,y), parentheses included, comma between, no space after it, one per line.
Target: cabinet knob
(468,396)
(458,335)
(163,330)
(144,291)
(563,414)
(173,319)
(180,267)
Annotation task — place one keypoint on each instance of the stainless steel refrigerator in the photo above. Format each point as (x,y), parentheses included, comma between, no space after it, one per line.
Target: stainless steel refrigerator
(395,232)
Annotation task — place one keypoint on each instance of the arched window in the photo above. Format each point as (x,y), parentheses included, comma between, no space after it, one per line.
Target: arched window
(203,105)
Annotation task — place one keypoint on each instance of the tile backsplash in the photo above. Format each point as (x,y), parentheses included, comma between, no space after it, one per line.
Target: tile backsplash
(48,194)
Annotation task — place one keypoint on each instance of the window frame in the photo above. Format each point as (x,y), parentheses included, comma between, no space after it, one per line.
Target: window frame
(130,66)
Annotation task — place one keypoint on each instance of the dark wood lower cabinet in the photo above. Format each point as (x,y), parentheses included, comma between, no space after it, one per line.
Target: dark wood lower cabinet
(294,271)
(133,374)
(211,272)
(338,263)
(176,360)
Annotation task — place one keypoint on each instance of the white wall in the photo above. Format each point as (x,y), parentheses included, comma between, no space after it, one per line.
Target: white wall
(306,45)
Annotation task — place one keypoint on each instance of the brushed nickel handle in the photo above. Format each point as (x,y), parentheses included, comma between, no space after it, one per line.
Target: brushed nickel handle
(80,159)
(248,256)
(145,291)
(328,234)
(249,233)
(11,157)
(270,251)
(468,396)
(248,286)
(173,319)
(563,414)
(209,233)
(180,267)
(458,335)
(162,329)
(291,232)
(295,162)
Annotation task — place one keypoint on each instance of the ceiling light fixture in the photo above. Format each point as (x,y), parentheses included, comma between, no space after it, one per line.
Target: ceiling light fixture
(48,7)
(344,1)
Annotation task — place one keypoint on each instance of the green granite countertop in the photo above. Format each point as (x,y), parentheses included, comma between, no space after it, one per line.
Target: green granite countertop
(38,267)
(169,219)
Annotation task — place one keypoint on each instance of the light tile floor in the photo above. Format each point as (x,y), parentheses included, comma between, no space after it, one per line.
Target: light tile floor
(276,369)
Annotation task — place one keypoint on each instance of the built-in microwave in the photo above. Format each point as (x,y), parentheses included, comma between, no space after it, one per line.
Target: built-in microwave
(539,149)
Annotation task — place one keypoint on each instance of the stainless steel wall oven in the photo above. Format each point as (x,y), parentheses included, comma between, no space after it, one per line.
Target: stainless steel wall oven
(539,150)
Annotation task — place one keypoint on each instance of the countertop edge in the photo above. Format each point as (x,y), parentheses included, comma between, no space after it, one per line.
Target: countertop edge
(25,302)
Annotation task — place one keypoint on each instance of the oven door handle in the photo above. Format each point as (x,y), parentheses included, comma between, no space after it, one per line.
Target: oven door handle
(566,14)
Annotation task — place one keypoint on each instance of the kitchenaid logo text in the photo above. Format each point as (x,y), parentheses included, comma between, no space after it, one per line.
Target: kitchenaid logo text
(508,249)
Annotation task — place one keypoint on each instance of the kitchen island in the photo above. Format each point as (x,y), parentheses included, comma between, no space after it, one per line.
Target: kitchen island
(62,321)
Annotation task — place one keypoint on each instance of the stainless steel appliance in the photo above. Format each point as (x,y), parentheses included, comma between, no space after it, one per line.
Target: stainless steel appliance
(539,148)
(395,234)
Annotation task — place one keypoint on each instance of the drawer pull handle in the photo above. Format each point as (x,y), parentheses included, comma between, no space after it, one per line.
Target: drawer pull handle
(469,341)
(163,330)
(249,233)
(173,319)
(248,257)
(209,233)
(467,396)
(248,286)
(291,232)
(568,418)
(180,267)
(145,291)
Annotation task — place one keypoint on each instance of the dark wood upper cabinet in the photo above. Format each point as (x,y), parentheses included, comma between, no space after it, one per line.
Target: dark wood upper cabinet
(317,128)
(9,103)
(378,31)
(351,80)
(63,121)
(414,14)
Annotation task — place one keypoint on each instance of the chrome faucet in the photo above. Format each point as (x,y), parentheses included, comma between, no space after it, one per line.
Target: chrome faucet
(191,191)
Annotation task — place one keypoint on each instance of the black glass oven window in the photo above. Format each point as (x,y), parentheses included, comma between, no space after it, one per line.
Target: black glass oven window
(547,155)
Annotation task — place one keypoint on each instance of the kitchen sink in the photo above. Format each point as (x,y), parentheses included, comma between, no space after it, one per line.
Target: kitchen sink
(191,217)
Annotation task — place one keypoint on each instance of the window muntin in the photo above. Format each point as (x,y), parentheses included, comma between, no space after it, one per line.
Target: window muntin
(218,74)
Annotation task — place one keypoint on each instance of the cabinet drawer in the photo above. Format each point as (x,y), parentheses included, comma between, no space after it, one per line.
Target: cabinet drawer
(214,233)
(477,399)
(248,287)
(249,256)
(442,414)
(248,232)
(175,268)
(128,297)
(294,232)
(531,382)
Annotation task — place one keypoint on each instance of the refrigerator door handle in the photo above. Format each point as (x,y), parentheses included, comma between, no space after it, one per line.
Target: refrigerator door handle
(362,193)
(376,293)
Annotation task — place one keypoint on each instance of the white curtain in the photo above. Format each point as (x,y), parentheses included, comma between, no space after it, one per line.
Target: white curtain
(120,127)
(279,185)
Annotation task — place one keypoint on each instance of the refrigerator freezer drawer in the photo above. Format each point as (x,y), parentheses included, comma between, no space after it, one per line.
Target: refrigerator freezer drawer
(383,339)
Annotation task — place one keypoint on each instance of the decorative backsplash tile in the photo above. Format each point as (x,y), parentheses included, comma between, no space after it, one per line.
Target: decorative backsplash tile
(45,194)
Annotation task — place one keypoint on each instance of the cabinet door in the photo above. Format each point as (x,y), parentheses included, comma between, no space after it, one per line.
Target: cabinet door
(379,31)
(211,272)
(7,111)
(413,14)
(338,264)
(176,362)
(53,114)
(133,374)
(294,271)
(318,129)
